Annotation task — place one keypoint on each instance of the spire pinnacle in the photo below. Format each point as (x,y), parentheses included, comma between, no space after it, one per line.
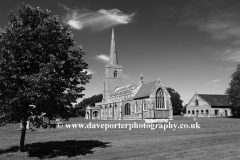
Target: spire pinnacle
(141,77)
(113,52)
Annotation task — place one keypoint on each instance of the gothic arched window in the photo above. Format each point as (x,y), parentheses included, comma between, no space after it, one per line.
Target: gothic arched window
(160,99)
(127,109)
(196,102)
(115,74)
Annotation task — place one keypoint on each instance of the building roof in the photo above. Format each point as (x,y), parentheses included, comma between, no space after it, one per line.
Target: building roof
(125,88)
(215,100)
(145,89)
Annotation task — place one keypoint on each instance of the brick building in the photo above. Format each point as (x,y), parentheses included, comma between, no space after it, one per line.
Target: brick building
(208,105)
(139,100)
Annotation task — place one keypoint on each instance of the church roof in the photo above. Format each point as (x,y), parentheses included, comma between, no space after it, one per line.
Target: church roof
(215,100)
(145,89)
(124,88)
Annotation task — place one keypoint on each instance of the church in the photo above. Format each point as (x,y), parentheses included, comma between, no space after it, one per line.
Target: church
(136,101)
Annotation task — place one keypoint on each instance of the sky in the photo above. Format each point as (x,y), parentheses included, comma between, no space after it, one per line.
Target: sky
(193,46)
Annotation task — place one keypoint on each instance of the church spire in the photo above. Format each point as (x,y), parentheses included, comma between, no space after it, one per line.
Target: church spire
(113,52)
(141,77)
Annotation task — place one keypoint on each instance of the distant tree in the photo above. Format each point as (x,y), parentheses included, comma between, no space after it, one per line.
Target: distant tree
(184,109)
(38,71)
(89,101)
(81,107)
(233,92)
(176,101)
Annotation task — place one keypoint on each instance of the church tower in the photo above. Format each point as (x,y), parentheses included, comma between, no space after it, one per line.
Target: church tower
(113,71)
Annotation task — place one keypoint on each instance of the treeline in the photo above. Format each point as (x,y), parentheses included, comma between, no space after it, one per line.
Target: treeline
(176,101)
(80,108)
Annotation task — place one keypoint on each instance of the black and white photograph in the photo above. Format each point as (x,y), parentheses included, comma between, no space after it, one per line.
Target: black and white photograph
(120,79)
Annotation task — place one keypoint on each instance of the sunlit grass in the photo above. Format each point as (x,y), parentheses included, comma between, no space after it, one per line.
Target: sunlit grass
(218,138)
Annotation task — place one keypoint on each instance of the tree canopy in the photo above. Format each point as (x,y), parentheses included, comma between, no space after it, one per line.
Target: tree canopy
(40,71)
(90,101)
(233,92)
(176,101)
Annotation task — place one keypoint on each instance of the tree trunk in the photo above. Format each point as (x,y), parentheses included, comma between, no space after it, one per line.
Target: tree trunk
(22,140)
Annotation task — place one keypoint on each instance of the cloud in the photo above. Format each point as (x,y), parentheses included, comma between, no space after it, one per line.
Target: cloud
(89,71)
(75,24)
(213,82)
(220,26)
(103,58)
(230,69)
(98,20)
(220,18)
(222,23)
(232,55)
(224,69)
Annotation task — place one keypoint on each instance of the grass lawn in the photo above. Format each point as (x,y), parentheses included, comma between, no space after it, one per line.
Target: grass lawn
(217,138)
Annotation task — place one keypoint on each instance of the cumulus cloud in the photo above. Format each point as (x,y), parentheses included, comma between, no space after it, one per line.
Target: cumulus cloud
(103,58)
(98,20)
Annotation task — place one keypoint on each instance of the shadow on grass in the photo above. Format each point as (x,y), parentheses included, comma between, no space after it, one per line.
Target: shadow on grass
(51,149)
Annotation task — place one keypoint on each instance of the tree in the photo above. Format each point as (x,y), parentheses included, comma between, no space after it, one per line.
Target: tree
(90,101)
(176,101)
(233,92)
(184,109)
(39,71)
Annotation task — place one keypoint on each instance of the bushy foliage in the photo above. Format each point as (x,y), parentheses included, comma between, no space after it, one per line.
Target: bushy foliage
(233,92)
(90,101)
(176,101)
(39,71)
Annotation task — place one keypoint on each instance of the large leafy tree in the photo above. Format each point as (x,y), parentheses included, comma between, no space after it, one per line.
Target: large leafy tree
(233,92)
(176,101)
(184,109)
(40,71)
